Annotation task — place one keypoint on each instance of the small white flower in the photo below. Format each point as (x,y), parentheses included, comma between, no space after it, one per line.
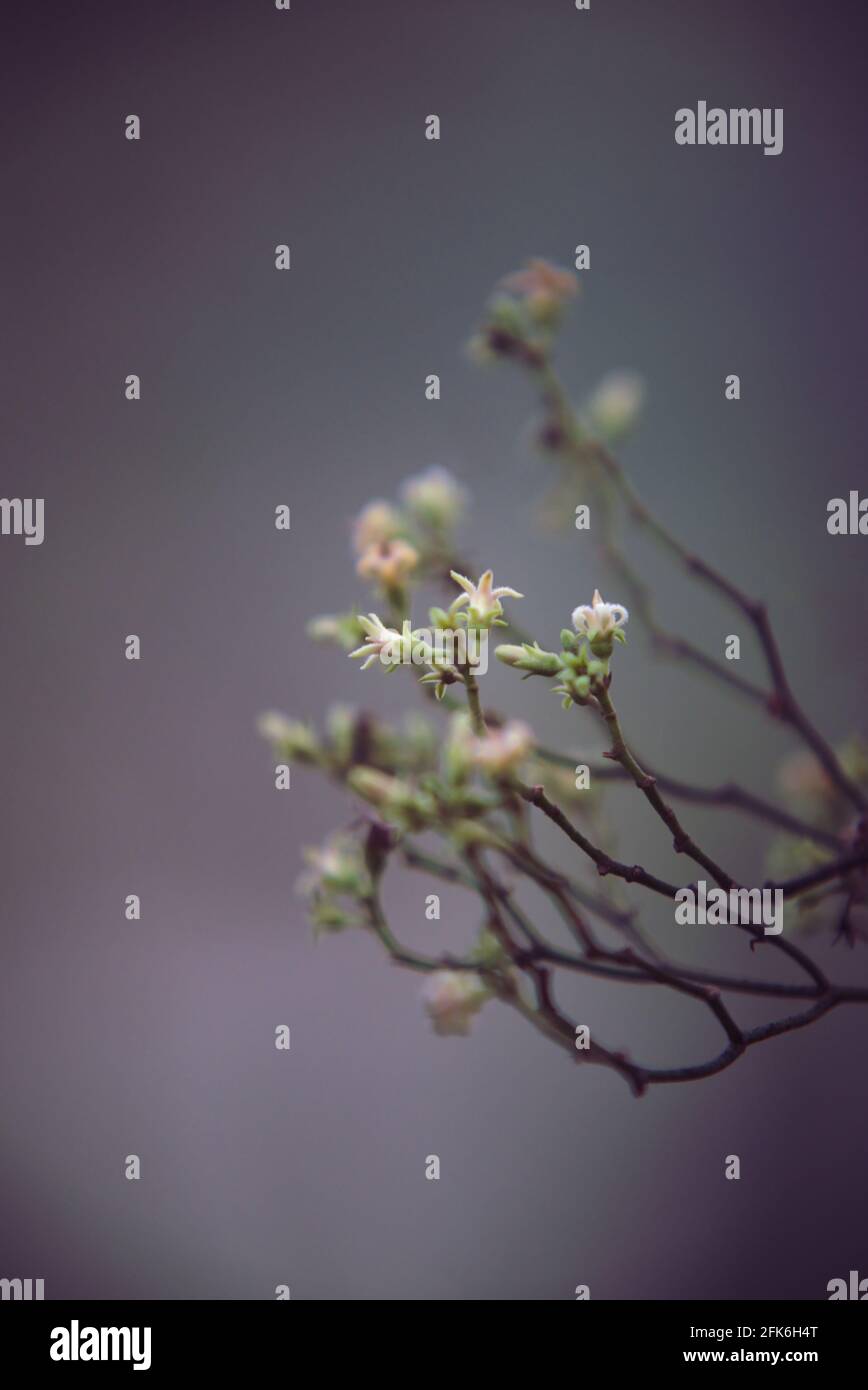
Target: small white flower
(290,736)
(383,642)
(377,522)
(434,497)
(482,599)
(540,280)
(388,562)
(275,727)
(451,998)
(599,619)
(615,405)
(502,750)
(335,867)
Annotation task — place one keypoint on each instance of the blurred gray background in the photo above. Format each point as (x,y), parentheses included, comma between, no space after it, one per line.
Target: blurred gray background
(156,1038)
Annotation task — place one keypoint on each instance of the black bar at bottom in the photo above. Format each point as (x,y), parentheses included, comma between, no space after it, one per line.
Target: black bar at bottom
(163,1339)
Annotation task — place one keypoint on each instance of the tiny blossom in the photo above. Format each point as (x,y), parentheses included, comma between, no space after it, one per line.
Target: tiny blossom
(290,735)
(483,601)
(335,867)
(275,727)
(500,751)
(383,642)
(542,281)
(377,522)
(617,401)
(451,998)
(324,629)
(599,619)
(341,628)
(388,562)
(434,497)
(398,801)
(802,774)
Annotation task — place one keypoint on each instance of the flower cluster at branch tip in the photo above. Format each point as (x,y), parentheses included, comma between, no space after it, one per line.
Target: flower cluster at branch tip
(434,499)
(497,754)
(523,316)
(584,656)
(389,564)
(500,752)
(335,881)
(520,327)
(453,648)
(451,999)
(398,547)
(398,801)
(544,289)
(377,523)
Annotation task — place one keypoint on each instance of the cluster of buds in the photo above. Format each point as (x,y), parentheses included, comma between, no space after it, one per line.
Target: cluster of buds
(397,545)
(497,754)
(392,649)
(500,753)
(290,738)
(584,657)
(389,565)
(522,317)
(453,648)
(433,500)
(335,882)
(579,671)
(354,738)
(449,796)
(397,800)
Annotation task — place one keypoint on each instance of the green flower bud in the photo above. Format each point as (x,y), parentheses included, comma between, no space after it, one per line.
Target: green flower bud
(343,629)
(614,407)
(469,834)
(506,314)
(529,657)
(396,800)
(328,916)
(576,662)
(488,951)
(289,737)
